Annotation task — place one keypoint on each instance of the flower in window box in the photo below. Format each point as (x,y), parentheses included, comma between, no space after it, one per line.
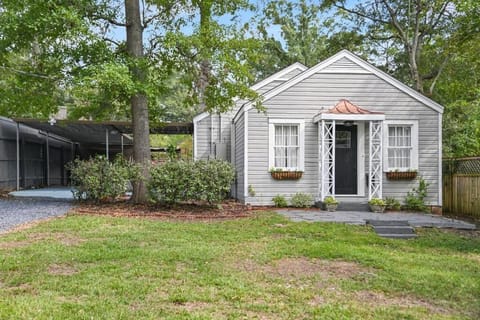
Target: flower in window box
(281,174)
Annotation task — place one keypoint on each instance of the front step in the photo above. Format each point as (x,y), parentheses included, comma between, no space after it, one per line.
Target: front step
(400,229)
(353,206)
(347,206)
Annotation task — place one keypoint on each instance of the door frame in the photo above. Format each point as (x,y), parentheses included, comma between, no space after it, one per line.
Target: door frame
(361,179)
(360,158)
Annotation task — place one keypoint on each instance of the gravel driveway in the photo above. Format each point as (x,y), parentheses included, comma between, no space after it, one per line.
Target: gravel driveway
(14,212)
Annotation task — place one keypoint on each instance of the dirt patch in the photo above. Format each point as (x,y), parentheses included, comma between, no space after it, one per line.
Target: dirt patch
(375,299)
(61,270)
(296,268)
(190,211)
(23,288)
(470,234)
(63,238)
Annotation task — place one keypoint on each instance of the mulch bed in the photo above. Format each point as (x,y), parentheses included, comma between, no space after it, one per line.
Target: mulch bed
(187,211)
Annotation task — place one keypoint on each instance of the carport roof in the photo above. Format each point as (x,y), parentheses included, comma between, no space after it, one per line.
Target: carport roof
(93,132)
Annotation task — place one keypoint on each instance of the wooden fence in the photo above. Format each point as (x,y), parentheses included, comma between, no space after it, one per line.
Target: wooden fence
(461,187)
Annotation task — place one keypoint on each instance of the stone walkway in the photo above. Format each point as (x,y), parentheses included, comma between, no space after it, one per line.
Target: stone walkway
(360,218)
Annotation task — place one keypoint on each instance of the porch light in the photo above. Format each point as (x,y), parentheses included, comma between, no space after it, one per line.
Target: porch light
(348,123)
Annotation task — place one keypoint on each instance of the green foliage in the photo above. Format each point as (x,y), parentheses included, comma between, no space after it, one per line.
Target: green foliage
(251,191)
(179,181)
(377,202)
(301,200)
(280,201)
(415,199)
(392,204)
(172,152)
(461,123)
(99,179)
(330,200)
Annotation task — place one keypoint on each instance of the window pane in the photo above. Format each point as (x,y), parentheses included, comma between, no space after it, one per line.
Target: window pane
(286,146)
(399,147)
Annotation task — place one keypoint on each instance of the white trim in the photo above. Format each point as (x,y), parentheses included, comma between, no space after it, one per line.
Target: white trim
(301,140)
(415,141)
(361,159)
(345,116)
(245,155)
(440,154)
(200,116)
(278,76)
(195,143)
(350,56)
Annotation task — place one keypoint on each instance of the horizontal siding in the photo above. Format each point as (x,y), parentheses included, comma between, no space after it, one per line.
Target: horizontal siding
(202,139)
(306,99)
(239,157)
(343,65)
(270,86)
(292,74)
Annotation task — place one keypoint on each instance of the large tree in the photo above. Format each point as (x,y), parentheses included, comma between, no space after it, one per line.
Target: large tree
(420,34)
(76,48)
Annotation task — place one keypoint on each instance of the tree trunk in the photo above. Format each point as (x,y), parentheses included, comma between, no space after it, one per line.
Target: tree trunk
(138,102)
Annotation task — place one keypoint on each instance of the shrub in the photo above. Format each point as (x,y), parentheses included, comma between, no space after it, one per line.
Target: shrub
(301,200)
(179,181)
(280,201)
(392,204)
(415,199)
(99,179)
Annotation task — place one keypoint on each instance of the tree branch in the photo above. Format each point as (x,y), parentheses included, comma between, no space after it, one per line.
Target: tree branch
(360,14)
(109,20)
(25,73)
(394,22)
(439,72)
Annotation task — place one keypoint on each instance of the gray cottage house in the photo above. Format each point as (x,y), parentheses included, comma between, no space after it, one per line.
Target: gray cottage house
(342,128)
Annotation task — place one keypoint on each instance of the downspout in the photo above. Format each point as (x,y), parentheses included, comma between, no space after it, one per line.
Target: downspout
(18,156)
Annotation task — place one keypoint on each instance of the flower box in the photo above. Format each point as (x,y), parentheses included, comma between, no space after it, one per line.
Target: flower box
(286,175)
(401,175)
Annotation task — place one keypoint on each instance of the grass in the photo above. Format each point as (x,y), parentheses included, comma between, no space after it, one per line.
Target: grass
(264,267)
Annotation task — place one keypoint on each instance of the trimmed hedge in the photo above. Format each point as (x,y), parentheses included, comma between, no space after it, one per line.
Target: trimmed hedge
(178,181)
(99,179)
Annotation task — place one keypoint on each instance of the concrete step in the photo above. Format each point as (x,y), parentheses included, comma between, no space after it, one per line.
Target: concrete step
(384,223)
(353,206)
(398,236)
(394,230)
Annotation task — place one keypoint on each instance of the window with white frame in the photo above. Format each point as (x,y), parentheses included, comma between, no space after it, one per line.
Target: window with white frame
(401,139)
(286,144)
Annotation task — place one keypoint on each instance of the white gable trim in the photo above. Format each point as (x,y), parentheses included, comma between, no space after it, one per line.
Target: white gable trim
(279,75)
(274,77)
(368,67)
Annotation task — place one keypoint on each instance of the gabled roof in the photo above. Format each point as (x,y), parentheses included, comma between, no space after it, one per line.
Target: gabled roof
(274,77)
(363,64)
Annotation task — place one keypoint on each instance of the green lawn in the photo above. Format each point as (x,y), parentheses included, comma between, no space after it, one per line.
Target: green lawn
(265,267)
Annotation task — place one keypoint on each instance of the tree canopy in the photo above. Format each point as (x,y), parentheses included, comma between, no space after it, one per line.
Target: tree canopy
(195,55)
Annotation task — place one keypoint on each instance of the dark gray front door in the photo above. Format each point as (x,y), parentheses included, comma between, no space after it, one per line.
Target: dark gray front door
(345,159)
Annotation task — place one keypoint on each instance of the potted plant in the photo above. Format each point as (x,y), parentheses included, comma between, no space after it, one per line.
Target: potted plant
(281,174)
(330,203)
(377,205)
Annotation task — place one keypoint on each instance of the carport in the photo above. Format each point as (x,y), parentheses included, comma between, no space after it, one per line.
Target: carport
(84,138)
